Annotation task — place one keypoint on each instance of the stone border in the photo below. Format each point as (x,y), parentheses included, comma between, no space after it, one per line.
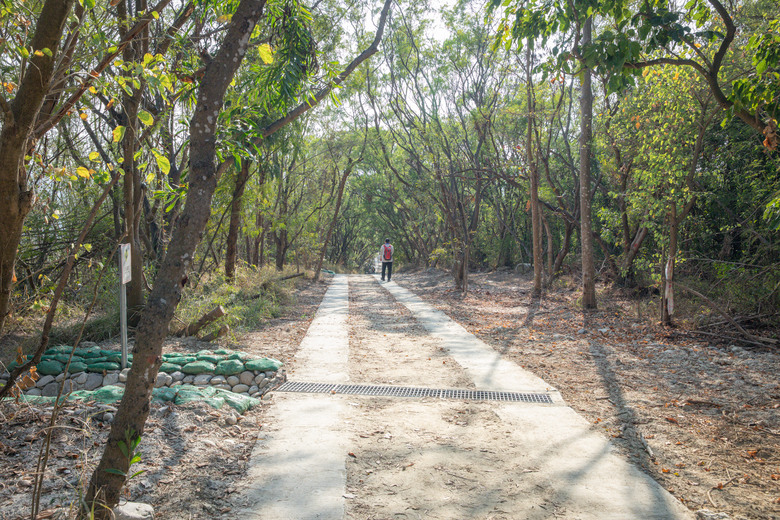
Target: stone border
(251,383)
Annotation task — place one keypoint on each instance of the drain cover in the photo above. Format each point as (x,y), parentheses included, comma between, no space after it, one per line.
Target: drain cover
(405,391)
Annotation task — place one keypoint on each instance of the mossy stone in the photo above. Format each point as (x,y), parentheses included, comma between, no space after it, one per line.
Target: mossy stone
(263,365)
(169,368)
(49,367)
(229,367)
(103,365)
(198,367)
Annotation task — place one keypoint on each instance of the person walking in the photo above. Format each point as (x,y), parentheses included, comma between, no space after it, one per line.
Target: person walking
(386,253)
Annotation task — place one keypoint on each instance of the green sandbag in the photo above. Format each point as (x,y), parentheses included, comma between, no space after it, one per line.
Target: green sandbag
(198,367)
(75,367)
(189,393)
(104,365)
(211,358)
(63,358)
(90,352)
(223,351)
(169,368)
(180,359)
(114,357)
(229,367)
(263,365)
(243,356)
(59,349)
(49,367)
(164,394)
(240,403)
(106,394)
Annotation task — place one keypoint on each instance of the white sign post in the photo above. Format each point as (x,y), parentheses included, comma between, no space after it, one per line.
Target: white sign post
(125,275)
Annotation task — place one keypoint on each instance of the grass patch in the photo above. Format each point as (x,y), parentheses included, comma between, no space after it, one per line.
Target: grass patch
(254,297)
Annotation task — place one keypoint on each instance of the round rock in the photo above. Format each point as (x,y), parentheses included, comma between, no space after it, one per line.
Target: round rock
(178,376)
(123,375)
(45,380)
(50,390)
(202,379)
(233,380)
(246,377)
(111,378)
(240,388)
(218,380)
(94,380)
(133,511)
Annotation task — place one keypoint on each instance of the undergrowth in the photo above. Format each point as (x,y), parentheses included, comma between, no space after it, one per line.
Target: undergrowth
(255,296)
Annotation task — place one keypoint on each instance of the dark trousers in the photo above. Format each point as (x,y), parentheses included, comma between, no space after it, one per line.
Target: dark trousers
(387,266)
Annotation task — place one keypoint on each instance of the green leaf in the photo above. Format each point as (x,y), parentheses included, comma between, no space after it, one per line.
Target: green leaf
(266,53)
(118,133)
(162,162)
(146,118)
(116,472)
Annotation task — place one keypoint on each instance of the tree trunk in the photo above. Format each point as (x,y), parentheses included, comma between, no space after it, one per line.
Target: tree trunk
(235,220)
(332,225)
(568,231)
(586,234)
(132,181)
(20,115)
(533,175)
(550,254)
(105,487)
(280,240)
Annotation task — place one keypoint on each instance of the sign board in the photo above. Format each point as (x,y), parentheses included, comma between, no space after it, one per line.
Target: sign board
(124,262)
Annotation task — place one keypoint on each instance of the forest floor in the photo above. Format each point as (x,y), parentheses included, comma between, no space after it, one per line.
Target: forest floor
(701,418)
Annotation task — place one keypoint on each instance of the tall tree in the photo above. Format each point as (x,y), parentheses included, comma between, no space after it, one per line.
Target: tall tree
(109,476)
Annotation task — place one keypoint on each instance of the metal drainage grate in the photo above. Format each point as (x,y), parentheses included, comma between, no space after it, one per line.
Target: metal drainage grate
(405,391)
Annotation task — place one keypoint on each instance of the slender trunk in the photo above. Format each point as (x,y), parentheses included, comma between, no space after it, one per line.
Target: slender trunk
(550,254)
(105,487)
(559,258)
(231,253)
(586,234)
(533,174)
(626,270)
(332,225)
(20,115)
(132,181)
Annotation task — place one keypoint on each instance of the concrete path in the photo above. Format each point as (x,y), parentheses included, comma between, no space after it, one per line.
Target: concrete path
(299,470)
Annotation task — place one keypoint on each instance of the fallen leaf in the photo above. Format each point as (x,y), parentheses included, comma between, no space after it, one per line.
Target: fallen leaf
(672,420)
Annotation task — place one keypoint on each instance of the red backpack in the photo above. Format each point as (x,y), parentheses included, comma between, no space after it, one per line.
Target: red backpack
(387,255)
